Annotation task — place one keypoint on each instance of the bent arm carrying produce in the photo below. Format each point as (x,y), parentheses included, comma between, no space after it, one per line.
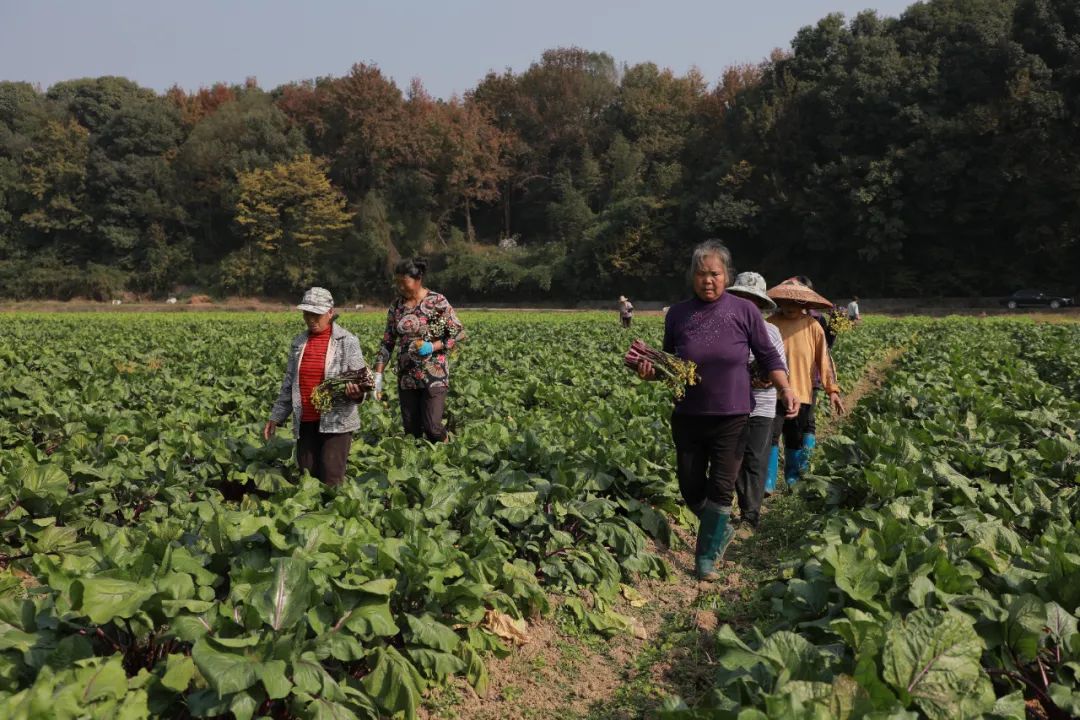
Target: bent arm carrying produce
(673,371)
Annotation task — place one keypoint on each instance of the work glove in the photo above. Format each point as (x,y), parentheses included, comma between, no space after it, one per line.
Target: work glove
(425,349)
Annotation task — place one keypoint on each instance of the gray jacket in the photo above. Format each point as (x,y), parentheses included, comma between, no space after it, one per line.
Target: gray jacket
(342,354)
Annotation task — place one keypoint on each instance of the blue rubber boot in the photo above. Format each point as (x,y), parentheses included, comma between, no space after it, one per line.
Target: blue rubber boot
(793,461)
(771,470)
(714,536)
(809,442)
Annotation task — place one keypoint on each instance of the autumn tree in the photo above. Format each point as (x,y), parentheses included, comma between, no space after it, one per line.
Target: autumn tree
(288,214)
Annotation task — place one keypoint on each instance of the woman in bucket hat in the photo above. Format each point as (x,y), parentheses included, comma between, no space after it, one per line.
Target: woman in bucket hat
(756,460)
(807,358)
(717,330)
(324,350)
(424,328)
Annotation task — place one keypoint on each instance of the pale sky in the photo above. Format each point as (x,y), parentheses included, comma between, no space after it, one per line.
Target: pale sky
(449,45)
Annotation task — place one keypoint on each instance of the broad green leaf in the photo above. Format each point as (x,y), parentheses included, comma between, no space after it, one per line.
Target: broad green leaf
(434,664)
(226,672)
(102,679)
(272,675)
(1066,698)
(933,657)
(42,482)
(370,618)
(1062,625)
(288,597)
(103,599)
(394,683)
(1024,626)
(179,669)
(429,632)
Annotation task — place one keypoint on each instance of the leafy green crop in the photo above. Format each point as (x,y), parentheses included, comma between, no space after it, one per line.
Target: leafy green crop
(943,580)
(159,559)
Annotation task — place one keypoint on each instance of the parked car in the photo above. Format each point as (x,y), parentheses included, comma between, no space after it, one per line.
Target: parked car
(1035,298)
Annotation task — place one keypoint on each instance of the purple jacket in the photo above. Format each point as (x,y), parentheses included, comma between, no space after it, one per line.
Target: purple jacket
(719,337)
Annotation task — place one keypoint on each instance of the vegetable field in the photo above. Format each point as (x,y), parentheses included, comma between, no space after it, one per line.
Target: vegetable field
(158,559)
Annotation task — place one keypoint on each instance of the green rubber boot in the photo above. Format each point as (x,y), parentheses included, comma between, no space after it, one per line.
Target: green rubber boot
(714,536)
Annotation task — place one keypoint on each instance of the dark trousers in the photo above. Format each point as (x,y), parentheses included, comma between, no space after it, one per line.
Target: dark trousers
(422,412)
(626,321)
(793,428)
(708,453)
(324,455)
(750,487)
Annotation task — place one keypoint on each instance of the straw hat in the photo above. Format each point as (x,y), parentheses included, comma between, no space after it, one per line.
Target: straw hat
(751,286)
(796,292)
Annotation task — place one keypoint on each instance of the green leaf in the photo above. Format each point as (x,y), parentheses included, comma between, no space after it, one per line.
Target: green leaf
(42,482)
(103,599)
(434,664)
(476,671)
(429,632)
(102,680)
(179,669)
(856,571)
(1061,624)
(272,675)
(1065,698)
(225,671)
(370,618)
(394,683)
(284,602)
(933,657)
(1024,626)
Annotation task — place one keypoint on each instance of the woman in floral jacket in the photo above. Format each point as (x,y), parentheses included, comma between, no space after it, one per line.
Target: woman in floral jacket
(424,328)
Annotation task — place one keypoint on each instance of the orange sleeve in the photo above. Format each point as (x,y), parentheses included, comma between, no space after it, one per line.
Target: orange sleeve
(823,361)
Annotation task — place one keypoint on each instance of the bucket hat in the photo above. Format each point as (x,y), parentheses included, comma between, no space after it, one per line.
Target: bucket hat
(751,286)
(317,300)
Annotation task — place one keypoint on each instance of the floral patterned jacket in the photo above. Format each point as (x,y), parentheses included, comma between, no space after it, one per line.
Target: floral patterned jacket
(432,319)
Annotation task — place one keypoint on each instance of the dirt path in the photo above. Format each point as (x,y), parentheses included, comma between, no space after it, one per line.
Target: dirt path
(564,672)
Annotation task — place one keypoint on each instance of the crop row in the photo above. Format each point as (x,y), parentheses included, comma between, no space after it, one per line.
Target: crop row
(942,580)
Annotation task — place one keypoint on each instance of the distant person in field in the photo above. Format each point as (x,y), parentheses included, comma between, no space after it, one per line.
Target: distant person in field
(756,462)
(716,330)
(424,328)
(324,350)
(807,358)
(853,310)
(626,311)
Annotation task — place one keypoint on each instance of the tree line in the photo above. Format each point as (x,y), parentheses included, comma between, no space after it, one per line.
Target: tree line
(937,153)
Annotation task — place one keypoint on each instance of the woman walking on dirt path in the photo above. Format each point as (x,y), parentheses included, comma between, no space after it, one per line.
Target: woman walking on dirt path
(807,357)
(424,328)
(324,350)
(716,330)
(756,463)
(626,311)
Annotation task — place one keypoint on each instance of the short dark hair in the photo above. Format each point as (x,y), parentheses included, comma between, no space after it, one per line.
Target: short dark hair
(415,267)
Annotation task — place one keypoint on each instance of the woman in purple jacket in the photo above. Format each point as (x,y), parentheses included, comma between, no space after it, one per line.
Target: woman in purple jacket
(717,331)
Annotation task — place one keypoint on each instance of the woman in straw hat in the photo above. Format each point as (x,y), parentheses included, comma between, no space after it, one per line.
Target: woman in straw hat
(750,485)
(323,351)
(807,357)
(717,331)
